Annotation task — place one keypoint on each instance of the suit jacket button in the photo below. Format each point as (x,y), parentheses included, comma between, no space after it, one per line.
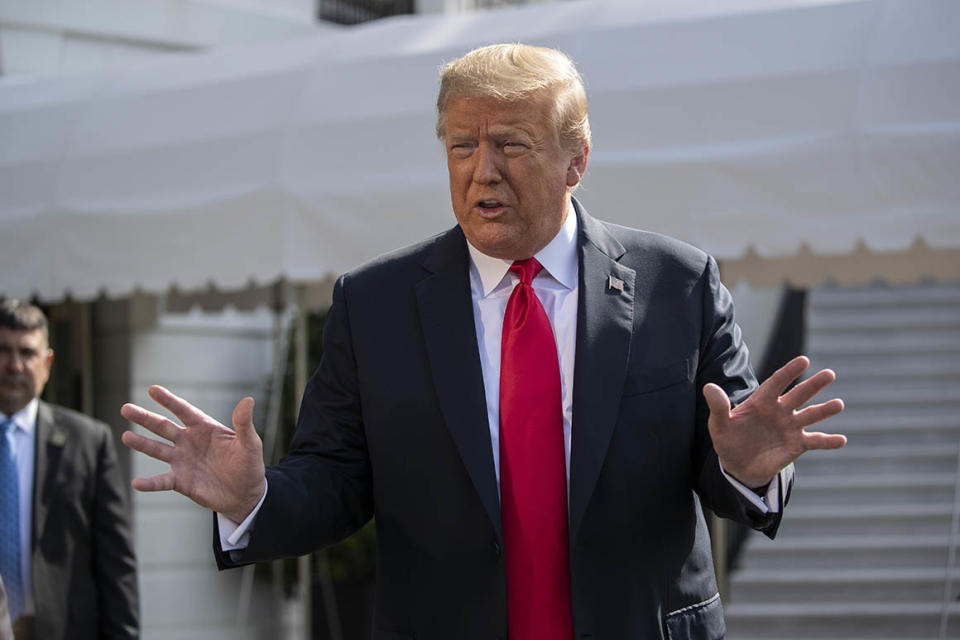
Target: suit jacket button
(497,549)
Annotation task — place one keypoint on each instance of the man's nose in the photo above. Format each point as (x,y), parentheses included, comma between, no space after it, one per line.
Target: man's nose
(486,170)
(11,361)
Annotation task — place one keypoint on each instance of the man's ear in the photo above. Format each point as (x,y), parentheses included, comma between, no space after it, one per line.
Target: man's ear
(578,166)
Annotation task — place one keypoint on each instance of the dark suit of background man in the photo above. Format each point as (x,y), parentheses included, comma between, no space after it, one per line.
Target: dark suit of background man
(66,551)
(619,360)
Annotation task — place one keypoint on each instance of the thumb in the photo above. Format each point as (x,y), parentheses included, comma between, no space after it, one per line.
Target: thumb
(243,420)
(718,402)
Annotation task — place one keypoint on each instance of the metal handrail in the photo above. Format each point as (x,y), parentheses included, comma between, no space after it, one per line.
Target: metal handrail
(282,329)
(951,552)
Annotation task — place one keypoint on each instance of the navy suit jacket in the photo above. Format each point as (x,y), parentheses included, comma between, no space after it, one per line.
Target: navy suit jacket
(394,425)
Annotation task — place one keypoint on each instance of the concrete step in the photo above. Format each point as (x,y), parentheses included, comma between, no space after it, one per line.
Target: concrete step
(808,519)
(884,296)
(892,619)
(874,490)
(878,425)
(878,375)
(890,367)
(755,586)
(893,416)
(793,635)
(893,318)
(848,552)
(822,346)
(859,458)
(906,391)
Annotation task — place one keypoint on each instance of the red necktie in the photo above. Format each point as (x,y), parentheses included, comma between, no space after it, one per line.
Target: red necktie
(533,487)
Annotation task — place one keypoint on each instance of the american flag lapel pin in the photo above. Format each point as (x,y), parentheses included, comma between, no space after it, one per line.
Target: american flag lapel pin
(614,284)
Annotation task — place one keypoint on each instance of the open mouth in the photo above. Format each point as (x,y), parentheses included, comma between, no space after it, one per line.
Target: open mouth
(490,206)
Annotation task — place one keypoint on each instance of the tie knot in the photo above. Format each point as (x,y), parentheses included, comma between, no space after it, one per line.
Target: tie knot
(6,426)
(526,270)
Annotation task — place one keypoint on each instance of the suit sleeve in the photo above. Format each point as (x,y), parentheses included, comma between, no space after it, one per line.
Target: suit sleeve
(322,491)
(725,361)
(115,565)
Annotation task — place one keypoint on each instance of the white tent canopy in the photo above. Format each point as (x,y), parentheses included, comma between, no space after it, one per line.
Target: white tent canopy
(732,124)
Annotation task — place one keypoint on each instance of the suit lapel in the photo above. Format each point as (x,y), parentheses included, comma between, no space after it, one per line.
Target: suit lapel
(446,315)
(50,443)
(604,328)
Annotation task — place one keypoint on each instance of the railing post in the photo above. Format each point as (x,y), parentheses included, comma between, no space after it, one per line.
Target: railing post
(951,552)
(718,541)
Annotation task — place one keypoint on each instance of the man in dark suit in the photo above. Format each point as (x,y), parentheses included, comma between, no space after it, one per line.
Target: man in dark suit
(66,550)
(532,404)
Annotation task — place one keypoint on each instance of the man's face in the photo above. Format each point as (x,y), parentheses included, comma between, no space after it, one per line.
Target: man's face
(25,362)
(509,176)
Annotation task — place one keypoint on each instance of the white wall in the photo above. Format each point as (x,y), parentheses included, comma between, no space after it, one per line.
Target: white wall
(213,360)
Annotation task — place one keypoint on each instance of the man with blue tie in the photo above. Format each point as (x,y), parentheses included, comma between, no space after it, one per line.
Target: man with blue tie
(66,551)
(532,404)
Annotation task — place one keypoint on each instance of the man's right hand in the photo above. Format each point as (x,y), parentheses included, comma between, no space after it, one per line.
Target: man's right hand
(216,467)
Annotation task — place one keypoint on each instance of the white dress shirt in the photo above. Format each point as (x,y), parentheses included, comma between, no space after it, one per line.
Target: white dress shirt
(557,288)
(24,446)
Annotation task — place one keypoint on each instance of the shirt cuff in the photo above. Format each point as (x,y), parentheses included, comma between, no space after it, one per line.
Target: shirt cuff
(235,536)
(768,503)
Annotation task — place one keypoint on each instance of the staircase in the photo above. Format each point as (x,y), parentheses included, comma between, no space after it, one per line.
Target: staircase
(865,544)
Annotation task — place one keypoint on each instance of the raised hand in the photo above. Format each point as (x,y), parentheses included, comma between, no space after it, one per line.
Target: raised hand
(216,467)
(767,431)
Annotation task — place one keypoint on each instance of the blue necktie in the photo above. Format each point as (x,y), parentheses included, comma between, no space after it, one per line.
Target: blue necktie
(10,522)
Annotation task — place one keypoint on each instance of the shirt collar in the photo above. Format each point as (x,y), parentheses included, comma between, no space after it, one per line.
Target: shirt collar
(26,418)
(559,258)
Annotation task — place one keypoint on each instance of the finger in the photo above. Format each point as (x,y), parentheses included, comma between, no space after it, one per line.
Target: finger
(153,448)
(162,482)
(817,440)
(817,412)
(153,422)
(186,412)
(717,401)
(806,390)
(782,377)
(243,420)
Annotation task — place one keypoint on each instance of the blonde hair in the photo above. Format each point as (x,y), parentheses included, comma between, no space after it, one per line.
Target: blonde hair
(516,72)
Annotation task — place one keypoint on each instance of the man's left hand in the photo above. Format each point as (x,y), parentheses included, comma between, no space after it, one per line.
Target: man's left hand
(767,431)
